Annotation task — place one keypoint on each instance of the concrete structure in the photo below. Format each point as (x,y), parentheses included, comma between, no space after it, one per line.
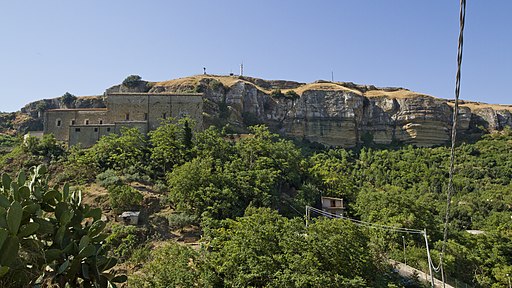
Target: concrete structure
(144,111)
(333,205)
(130,217)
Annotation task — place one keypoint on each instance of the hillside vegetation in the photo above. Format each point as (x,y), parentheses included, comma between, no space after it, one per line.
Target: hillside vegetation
(230,212)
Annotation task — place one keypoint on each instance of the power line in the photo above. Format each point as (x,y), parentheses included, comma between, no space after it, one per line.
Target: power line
(364,223)
(382,227)
(462,20)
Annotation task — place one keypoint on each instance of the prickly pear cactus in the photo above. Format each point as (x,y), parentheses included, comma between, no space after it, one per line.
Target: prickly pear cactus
(64,237)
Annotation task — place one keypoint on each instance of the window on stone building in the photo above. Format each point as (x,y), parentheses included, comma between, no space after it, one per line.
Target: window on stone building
(108,129)
(73,122)
(86,122)
(145,116)
(95,129)
(58,123)
(164,116)
(77,129)
(127,116)
(333,203)
(101,121)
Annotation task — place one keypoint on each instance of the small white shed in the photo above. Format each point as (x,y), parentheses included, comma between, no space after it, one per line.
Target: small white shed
(130,217)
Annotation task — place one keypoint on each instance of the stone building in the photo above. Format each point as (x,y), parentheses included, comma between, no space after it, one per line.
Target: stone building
(144,111)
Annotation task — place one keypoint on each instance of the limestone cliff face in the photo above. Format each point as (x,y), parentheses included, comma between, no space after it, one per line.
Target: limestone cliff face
(332,113)
(339,114)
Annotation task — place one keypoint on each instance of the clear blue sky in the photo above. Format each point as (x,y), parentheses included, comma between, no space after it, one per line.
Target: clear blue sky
(50,47)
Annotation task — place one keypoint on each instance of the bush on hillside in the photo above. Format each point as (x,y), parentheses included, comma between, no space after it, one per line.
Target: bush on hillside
(124,198)
(132,81)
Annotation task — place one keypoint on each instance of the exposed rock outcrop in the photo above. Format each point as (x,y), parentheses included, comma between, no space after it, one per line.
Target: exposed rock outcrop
(341,113)
(332,113)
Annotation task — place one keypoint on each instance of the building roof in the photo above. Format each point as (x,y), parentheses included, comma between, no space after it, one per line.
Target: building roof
(130,214)
(76,109)
(152,94)
(331,198)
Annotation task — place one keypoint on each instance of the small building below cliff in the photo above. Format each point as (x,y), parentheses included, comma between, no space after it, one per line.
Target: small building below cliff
(144,111)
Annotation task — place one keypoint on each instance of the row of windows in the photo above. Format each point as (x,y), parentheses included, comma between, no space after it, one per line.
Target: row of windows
(73,122)
(95,129)
(127,118)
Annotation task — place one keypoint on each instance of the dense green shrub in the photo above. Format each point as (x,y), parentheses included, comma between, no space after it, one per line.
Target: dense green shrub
(292,95)
(181,220)
(132,81)
(46,147)
(277,94)
(108,179)
(68,99)
(170,145)
(123,240)
(119,152)
(172,265)
(124,197)
(216,85)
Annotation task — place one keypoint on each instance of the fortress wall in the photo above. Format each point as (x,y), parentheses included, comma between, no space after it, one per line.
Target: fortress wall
(67,117)
(140,110)
(158,106)
(88,135)
(142,126)
(191,106)
(126,107)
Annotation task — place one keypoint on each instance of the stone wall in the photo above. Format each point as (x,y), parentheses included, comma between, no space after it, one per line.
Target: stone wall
(141,110)
(58,122)
(154,108)
(88,135)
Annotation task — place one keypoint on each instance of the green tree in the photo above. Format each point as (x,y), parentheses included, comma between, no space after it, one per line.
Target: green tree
(159,272)
(170,145)
(292,95)
(132,81)
(264,249)
(124,197)
(68,99)
(259,172)
(277,94)
(119,152)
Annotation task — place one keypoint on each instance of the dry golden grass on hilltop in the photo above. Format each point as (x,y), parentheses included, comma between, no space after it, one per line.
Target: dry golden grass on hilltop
(399,94)
(477,105)
(229,81)
(325,86)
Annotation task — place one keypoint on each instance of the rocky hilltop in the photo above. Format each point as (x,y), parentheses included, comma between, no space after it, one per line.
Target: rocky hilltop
(332,113)
(339,113)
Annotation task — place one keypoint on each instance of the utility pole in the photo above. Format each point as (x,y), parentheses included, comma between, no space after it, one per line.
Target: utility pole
(332,76)
(429,260)
(307,216)
(405,257)
(242,69)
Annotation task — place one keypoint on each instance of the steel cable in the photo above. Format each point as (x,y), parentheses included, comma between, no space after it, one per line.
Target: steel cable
(462,20)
